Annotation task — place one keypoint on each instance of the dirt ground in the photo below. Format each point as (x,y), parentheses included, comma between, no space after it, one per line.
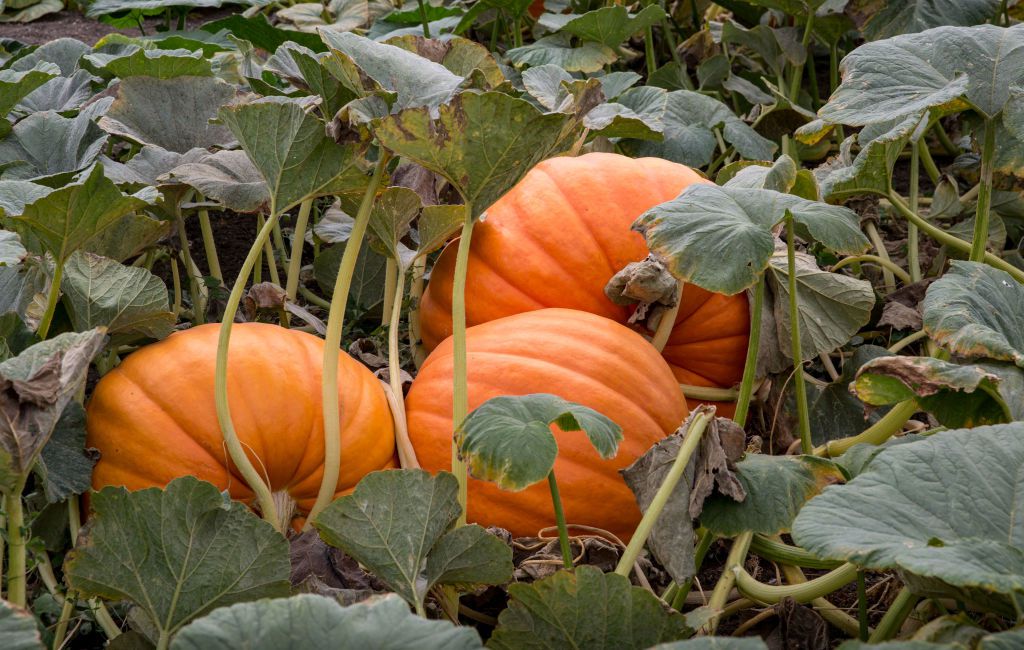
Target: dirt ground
(72,24)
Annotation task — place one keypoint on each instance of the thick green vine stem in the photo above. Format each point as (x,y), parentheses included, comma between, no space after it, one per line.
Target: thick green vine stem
(776,551)
(798,70)
(737,554)
(803,419)
(390,279)
(563,530)
(879,244)
(802,593)
(913,261)
(295,257)
(52,298)
(16,548)
(943,237)
(252,477)
(753,347)
(889,265)
(988,150)
(667,322)
(419,269)
(889,425)
(694,432)
(210,245)
(460,394)
(894,617)
(394,365)
(332,346)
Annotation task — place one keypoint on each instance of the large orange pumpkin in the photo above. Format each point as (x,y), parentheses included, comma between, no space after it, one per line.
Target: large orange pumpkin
(153,418)
(556,238)
(580,357)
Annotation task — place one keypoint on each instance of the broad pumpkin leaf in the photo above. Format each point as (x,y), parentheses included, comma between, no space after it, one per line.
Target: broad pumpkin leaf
(70,218)
(11,250)
(390,219)
(396,524)
(172,113)
(944,507)
(782,175)
(976,311)
(18,628)
(609,26)
(128,301)
(912,73)
(319,623)
(292,151)
(777,46)
(38,385)
(15,195)
(103,7)
(303,68)
(367,293)
(135,61)
(834,412)
(896,17)
(706,224)
(584,609)
(460,56)
(688,126)
(177,553)
(558,49)
(62,52)
(63,466)
(957,395)
(228,177)
(777,488)
(15,85)
(482,143)
(508,440)
(258,31)
(149,167)
(858,457)
(437,223)
(47,144)
(60,94)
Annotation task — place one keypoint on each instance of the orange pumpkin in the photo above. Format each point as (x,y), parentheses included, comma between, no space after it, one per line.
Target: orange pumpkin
(556,238)
(153,418)
(580,357)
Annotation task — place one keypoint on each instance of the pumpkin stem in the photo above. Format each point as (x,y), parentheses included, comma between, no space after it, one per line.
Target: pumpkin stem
(286,507)
(667,322)
(563,532)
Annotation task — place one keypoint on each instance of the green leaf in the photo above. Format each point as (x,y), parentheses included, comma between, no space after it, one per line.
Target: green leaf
(67,219)
(291,150)
(103,7)
(482,143)
(689,125)
(62,52)
(258,31)
(63,94)
(461,56)
(172,113)
(777,46)
(395,521)
(318,623)
(436,224)
(976,311)
(871,170)
(158,64)
(896,17)
(584,609)
(559,50)
(37,386)
(177,553)
(508,440)
(18,628)
(64,466)
(944,507)
(833,307)
(303,67)
(129,301)
(14,86)
(777,488)
(15,195)
(909,74)
(50,144)
(392,215)
(225,176)
(11,250)
(33,11)
(706,225)
(957,395)
(834,412)
(609,26)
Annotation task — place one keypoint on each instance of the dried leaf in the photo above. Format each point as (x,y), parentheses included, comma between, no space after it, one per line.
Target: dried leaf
(900,317)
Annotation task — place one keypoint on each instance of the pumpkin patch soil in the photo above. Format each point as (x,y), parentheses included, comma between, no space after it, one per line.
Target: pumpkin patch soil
(72,24)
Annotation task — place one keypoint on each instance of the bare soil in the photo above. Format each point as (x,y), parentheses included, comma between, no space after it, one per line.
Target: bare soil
(73,24)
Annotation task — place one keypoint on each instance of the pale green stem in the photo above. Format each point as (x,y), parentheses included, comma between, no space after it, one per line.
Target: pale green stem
(176,284)
(312,298)
(876,241)
(16,567)
(52,298)
(651,60)
(889,425)
(737,554)
(777,551)
(941,236)
(668,321)
(419,269)
(210,246)
(643,530)
(460,394)
(925,156)
(164,640)
(889,265)
(61,630)
(563,531)
(894,617)
(45,570)
(99,610)
(802,593)
(825,609)
(268,251)
(907,340)
(798,71)
(186,253)
(332,346)
(423,18)
(298,240)
(264,495)
(803,419)
(913,246)
(862,608)
(750,366)
(394,365)
(390,273)
(709,394)
(988,149)
(703,546)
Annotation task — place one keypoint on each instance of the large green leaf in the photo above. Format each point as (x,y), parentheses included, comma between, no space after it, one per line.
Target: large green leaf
(61,94)
(609,26)
(67,219)
(129,301)
(37,385)
(135,61)
(177,553)
(895,17)
(48,144)
(225,176)
(977,311)
(508,440)
(62,52)
(18,628)
(720,238)
(103,7)
(777,488)
(870,171)
(559,50)
(483,143)
(584,609)
(303,68)
(945,507)
(834,412)
(390,219)
(318,623)
(14,85)
(172,113)
(291,150)
(64,466)
(912,73)
(395,524)
(689,125)
(15,195)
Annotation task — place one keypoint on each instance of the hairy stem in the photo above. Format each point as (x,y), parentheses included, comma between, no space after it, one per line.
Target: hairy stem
(734,562)
(563,531)
(209,245)
(16,579)
(988,149)
(777,551)
(888,265)
(298,241)
(460,395)
(889,425)
(913,251)
(419,269)
(802,593)
(753,346)
(879,244)
(52,298)
(798,70)
(390,273)
(894,617)
(803,419)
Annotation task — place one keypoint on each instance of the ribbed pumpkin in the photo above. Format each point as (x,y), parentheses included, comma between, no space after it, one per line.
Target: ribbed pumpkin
(580,357)
(556,239)
(153,418)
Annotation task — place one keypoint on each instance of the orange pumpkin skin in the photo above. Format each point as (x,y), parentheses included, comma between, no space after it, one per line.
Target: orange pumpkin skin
(556,238)
(580,357)
(153,418)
